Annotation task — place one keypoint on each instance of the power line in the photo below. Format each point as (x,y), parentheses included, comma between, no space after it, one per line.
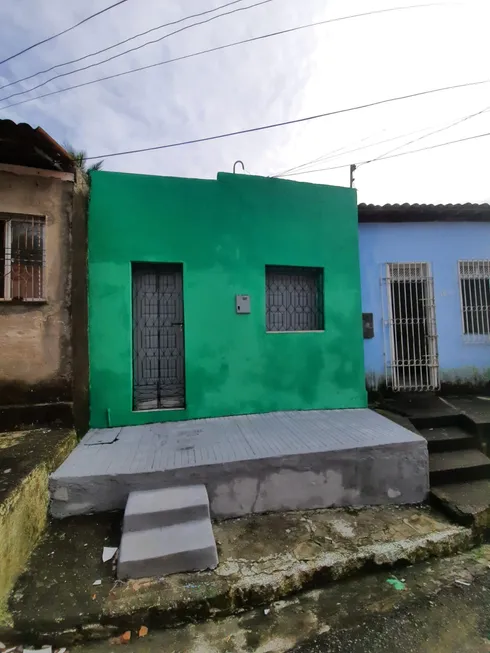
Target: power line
(292,122)
(137,47)
(420,138)
(394,156)
(332,154)
(343,151)
(115,45)
(65,31)
(211,50)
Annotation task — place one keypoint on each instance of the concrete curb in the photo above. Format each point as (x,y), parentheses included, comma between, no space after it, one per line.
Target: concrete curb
(238,586)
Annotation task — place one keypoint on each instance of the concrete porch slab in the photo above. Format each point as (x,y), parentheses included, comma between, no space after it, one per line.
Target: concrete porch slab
(250,463)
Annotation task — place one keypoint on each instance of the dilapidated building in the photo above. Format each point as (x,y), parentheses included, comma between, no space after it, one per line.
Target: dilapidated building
(39,196)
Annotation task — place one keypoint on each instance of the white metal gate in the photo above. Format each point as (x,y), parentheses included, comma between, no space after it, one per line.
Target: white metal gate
(411,360)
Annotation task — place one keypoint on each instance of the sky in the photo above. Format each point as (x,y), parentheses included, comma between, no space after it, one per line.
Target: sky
(321,69)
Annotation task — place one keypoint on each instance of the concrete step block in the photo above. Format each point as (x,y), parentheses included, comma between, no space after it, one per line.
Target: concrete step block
(169,550)
(165,507)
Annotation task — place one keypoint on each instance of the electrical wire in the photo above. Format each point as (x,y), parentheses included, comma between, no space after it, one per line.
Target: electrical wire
(137,47)
(65,31)
(420,138)
(394,156)
(201,52)
(332,154)
(294,121)
(344,150)
(387,140)
(115,45)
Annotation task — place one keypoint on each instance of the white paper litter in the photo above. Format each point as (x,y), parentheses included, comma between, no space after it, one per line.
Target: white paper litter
(97,582)
(108,553)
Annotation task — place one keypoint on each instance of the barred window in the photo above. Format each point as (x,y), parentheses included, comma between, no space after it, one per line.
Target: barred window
(294,298)
(22,257)
(474,283)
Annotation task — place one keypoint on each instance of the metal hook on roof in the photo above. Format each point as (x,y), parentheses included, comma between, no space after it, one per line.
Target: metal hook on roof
(235,165)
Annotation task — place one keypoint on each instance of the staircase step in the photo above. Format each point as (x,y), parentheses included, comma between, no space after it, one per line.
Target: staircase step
(168,550)
(447,438)
(165,507)
(435,421)
(466,503)
(458,466)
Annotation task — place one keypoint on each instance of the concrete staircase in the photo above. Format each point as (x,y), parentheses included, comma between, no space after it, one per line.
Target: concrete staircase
(457,433)
(454,456)
(459,471)
(165,532)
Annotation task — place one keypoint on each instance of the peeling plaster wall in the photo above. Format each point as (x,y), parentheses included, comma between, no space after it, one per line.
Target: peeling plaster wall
(35,339)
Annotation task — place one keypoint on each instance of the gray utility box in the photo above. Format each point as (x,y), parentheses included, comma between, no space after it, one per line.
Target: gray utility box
(242,303)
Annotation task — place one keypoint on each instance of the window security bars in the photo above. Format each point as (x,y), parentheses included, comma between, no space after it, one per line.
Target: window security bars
(294,298)
(22,258)
(474,285)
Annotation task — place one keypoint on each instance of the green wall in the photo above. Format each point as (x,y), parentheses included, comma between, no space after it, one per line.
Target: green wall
(225,232)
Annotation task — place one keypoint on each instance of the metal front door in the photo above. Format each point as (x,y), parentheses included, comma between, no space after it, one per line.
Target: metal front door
(158,336)
(412,358)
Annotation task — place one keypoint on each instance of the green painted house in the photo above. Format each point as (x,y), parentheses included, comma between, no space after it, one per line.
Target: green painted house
(221,297)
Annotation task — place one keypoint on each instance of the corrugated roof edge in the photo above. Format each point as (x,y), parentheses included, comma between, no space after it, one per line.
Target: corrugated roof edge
(21,144)
(424,212)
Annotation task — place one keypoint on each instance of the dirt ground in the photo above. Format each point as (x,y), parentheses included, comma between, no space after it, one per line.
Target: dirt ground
(456,621)
(441,606)
(263,559)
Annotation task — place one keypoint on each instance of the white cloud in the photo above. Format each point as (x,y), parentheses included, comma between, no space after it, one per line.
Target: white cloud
(317,70)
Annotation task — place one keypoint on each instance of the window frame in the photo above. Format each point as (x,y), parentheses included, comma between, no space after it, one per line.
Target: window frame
(317,273)
(6,248)
(465,274)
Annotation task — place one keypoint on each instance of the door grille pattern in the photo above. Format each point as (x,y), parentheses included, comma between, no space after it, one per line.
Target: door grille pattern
(474,284)
(294,298)
(158,337)
(411,357)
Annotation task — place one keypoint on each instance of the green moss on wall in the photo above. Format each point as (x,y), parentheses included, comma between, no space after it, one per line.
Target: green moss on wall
(31,456)
(225,232)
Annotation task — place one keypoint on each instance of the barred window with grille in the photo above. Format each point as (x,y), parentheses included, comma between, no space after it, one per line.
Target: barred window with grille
(294,298)
(474,283)
(22,257)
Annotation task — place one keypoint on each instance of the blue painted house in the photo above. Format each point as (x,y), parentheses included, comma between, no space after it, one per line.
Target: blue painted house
(425,276)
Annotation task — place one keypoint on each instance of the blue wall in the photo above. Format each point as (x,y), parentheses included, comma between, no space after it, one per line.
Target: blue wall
(442,245)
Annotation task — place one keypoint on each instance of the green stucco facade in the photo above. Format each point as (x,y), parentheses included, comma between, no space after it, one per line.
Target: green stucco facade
(224,232)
